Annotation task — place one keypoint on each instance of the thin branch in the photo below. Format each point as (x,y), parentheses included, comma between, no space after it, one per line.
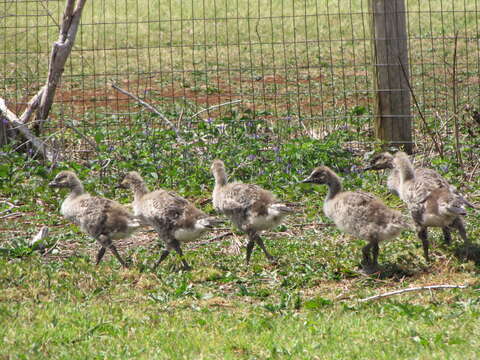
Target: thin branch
(149,107)
(214,239)
(11,215)
(433,137)
(10,207)
(455,106)
(82,135)
(402,291)
(217,106)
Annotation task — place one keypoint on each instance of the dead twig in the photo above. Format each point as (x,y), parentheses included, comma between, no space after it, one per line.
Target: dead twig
(10,207)
(432,136)
(149,107)
(402,291)
(83,136)
(214,239)
(11,215)
(455,106)
(216,106)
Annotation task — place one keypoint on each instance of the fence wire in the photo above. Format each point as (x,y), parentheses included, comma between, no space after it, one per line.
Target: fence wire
(307,63)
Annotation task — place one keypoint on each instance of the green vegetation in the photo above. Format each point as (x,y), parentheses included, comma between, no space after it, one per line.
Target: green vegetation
(55,303)
(302,70)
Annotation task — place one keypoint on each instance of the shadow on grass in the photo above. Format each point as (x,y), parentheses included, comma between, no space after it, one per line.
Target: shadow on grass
(468,253)
(389,271)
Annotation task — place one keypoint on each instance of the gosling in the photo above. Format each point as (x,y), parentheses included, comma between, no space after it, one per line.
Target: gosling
(102,219)
(174,218)
(250,208)
(359,214)
(430,206)
(425,178)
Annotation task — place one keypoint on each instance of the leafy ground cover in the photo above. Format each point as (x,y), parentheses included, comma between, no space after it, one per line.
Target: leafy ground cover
(55,303)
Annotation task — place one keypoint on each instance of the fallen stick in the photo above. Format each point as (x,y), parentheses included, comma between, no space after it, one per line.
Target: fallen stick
(214,239)
(10,207)
(430,287)
(151,108)
(11,215)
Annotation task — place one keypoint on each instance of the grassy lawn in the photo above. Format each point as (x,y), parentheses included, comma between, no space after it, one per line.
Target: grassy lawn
(57,304)
(291,62)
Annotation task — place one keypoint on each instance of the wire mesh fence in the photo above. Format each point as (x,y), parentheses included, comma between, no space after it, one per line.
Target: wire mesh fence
(302,63)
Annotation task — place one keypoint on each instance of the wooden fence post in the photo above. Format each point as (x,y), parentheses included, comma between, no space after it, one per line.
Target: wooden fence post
(392,110)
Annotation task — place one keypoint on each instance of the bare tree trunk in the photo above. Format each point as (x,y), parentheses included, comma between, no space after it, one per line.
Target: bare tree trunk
(37,143)
(60,52)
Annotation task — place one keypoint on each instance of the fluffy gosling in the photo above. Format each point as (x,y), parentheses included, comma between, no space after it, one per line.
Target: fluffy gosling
(359,214)
(430,205)
(103,219)
(174,218)
(251,208)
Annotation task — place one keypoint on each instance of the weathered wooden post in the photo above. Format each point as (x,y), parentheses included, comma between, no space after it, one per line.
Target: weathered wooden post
(392,110)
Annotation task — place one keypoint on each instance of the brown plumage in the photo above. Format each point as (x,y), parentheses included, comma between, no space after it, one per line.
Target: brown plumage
(426,180)
(251,208)
(431,203)
(359,214)
(103,219)
(174,218)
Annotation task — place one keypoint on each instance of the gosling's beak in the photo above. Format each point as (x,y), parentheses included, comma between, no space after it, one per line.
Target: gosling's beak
(366,168)
(307,181)
(52,184)
(457,210)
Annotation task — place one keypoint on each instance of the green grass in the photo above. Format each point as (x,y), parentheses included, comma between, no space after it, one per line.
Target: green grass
(73,310)
(58,304)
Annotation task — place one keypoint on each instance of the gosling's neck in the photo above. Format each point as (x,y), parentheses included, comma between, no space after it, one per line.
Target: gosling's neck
(406,170)
(220,178)
(334,187)
(76,190)
(139,190)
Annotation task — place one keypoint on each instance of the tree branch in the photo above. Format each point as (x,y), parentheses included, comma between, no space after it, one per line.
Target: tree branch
(151,108)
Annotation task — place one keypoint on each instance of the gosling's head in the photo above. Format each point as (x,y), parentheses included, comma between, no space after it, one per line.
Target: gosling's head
(217,166)
(401,159)
(131,180)
(65,179)
(449,203)
(380,161)
(320,175)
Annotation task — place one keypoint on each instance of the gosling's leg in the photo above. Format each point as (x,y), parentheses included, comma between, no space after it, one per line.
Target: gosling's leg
(366,262)
(250,245)
(162,257)
(176,246)
(113,249)
(423,235)
(106,242)
(460,226)
(375,250)
(447,236)
(100,254)
(260,243)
